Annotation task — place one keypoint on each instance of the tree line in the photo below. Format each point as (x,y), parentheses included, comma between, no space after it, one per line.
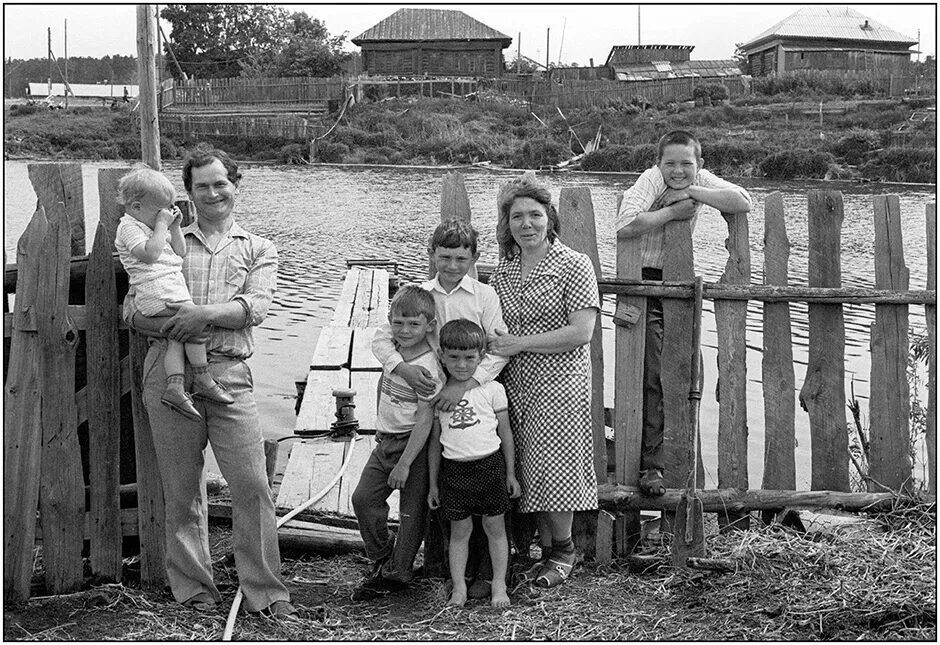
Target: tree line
(117,69)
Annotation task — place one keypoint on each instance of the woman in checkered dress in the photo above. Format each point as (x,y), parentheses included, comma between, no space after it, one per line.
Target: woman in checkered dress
(550,301)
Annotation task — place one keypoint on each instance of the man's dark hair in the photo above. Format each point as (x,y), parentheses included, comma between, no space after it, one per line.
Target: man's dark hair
(203,155)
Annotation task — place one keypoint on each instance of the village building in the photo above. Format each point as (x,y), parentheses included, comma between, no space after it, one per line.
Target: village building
(658,62)
(432,42)
(828,38)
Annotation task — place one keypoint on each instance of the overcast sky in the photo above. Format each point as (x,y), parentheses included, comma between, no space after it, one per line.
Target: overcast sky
(577,33)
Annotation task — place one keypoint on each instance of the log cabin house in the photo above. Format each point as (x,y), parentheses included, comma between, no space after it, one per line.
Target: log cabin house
(432,42)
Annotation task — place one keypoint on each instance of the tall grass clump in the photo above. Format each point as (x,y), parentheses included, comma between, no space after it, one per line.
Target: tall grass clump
(794,164)
(904,164)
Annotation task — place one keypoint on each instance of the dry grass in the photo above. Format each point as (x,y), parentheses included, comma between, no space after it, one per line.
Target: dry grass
(867,585)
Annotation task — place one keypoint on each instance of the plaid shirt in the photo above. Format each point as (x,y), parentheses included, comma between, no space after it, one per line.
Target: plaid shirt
(242,268)
(642,197)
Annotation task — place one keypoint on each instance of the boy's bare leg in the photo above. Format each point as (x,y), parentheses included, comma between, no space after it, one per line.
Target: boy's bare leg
(457,557)
(495,528)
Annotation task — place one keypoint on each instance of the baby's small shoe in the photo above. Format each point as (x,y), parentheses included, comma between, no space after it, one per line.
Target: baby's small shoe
(215,393)
(181,402)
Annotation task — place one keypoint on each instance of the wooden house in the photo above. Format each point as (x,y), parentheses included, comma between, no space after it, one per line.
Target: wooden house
(432,42)
(658,62)
(828,38)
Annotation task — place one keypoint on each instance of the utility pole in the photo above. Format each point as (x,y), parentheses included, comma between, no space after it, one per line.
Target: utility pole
(65,47)
(147,96)
(547,32)
(49,57)
(638,41)
(519,51)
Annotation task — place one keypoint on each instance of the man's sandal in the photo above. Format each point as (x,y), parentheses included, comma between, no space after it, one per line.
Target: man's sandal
(651,483)
(556,570)
(201,602)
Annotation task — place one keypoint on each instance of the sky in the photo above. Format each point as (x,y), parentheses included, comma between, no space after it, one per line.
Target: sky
(576,33)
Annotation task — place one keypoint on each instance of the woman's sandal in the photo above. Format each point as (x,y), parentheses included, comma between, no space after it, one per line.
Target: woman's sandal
(533,571)
(651,482)
(556,570)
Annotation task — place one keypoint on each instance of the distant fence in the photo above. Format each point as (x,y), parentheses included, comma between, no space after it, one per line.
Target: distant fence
(284,126)
(240,91)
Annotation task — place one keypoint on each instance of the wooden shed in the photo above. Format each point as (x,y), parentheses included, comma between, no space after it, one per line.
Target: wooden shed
(432,42)
(828,38)
(660,62)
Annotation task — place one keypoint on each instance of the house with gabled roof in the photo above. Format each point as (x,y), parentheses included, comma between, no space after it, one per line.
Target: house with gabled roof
(828,38)
(432,42)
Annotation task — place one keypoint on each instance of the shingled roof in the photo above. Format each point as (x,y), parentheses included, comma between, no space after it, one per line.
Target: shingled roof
(659,70)
(831,23)
(430,24)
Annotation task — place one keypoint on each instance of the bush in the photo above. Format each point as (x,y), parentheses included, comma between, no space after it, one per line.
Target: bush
(24,109)
(791,164)
(537,153)
(331,152)
(293,153)
(728,157)
(903,163)
(854,146)
(714,91)
(621,158)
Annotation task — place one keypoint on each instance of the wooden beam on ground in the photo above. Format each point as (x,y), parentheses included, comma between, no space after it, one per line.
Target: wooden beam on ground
(931,315)
(889,403)
(731,325)
(61,183)
(104,411)
(318,408)
(823,393)
(630,351)
(61,489)
(777,366)
(22,436)
(333,348)
(615,497)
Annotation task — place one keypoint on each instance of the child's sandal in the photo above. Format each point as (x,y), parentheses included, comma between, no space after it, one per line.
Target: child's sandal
(533,571)
(556,570)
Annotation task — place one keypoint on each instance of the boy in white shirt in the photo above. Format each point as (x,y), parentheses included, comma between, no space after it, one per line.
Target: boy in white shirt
(471,461)
(674,189)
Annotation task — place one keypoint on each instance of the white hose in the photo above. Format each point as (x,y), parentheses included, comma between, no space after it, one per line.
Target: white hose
(233,612)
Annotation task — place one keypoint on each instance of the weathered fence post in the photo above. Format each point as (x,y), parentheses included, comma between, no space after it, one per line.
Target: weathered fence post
(576,216)
(62,182)
(777,366)
(676,372)
(889,404)
(731,323)
(61,488)
(931,314)
(630,348)
(455,204)
(104,408)
(823,393)
(22,435)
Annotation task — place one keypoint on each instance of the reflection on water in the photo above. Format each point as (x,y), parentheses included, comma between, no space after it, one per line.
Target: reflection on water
(319,217)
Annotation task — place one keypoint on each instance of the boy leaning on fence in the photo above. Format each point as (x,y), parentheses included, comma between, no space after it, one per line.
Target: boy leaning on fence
(675,188)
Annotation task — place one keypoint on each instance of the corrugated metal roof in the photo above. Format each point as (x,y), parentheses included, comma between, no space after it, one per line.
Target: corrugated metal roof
(430,24)
(840,23)
(683,69)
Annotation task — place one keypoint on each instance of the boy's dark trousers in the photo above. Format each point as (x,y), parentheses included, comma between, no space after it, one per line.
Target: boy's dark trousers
(371,507)
(651,455)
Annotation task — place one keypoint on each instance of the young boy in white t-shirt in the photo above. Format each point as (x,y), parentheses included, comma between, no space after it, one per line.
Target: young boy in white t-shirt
(471,461)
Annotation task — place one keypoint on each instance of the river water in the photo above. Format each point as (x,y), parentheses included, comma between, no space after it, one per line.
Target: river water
(321,216)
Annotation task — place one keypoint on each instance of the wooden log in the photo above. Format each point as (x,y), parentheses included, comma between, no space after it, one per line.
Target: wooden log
(731,322)
(931,315)
(629,352)
(823,394)
(61,488)
(62,183)
(576,214)
(150,506)
(104,410)
(22,436)
(889,403)
(614,497)
(777,363)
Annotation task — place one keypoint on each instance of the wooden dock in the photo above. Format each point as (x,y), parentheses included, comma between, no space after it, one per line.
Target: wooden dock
(342,359)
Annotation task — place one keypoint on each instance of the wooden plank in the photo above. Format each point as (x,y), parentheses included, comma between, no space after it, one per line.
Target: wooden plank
(104,410)
(455,204)
(931,315)
(342,313)
(378,300)
(22,436)
(629,349)
(731,323)
(61,487)
(318,408)
(777,363)
(362,358)
(328,460)
(150,505)
(60,182)
(889,403)
(109,208)
(605,538)
(361,306)
(576,215)
(366,386)
(823,393)
(295,485)
(333,347)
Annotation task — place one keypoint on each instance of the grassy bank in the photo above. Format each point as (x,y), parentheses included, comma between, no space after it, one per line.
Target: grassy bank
(756,139)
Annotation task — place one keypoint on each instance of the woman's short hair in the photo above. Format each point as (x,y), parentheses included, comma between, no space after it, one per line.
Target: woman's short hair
(524,186)
(203,155)
(462,334)
(141,182)
(412,301)
(453,234)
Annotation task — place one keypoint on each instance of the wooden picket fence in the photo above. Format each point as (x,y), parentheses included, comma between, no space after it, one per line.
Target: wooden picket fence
(231,91)
(196,126)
